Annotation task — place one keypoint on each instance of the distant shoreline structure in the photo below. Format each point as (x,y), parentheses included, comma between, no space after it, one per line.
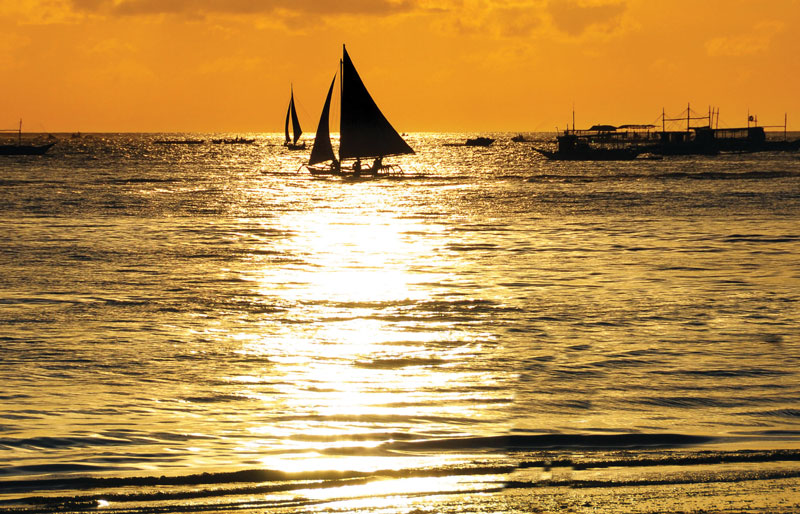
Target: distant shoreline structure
(630,141)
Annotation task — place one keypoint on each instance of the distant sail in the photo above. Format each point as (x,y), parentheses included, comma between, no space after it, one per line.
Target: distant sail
(322,150)
(296,130)
(364,130)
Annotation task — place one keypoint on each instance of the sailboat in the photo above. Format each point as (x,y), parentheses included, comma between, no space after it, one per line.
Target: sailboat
(291,116)
(19,149)
(364,132)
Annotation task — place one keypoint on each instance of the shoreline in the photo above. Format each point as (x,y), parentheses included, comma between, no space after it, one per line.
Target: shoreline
(686,479)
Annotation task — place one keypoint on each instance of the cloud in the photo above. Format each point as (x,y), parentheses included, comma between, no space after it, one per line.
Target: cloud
(203,8)
(756,42)
(497,18)
(575,17)
(36,12)
(540,18)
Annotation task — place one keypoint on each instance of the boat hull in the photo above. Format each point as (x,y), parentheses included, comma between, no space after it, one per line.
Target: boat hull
(25,149)
(234,141)
(479,141)
(179,142)
(386,170)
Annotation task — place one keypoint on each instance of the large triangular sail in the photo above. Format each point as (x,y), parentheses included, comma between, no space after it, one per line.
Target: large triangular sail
(291,112)
(364,130)
(322,150)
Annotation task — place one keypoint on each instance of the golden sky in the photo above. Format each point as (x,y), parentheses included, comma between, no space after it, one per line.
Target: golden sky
(431,65)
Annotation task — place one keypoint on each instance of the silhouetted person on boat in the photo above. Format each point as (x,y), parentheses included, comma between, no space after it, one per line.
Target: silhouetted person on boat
(357,168)
(377,164)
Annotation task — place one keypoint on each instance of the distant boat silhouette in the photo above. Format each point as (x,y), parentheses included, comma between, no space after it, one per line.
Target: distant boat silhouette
(597,143)
(474,141)
(19,149)
(291,115)
(179,141)
(364,132)
(234,141)
(479,141)
(589,145)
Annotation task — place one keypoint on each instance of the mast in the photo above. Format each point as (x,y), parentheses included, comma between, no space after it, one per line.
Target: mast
(286,125)
(296,130)
(688,117)
(341,100)
(19,134)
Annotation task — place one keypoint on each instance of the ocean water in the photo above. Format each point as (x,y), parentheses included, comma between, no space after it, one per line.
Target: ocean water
(210,328)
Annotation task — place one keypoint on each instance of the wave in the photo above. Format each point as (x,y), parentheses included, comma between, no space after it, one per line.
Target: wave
(732,477)
(246,490)
(553,441)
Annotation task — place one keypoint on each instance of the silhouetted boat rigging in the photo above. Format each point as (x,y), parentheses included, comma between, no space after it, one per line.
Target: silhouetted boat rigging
(364,132)
(291,116)
(23,149)
(708,139)
(608,142)
(594,144)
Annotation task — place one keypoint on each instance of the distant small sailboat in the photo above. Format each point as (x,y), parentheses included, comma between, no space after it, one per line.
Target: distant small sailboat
(364,132)
(19,149)
(291,116)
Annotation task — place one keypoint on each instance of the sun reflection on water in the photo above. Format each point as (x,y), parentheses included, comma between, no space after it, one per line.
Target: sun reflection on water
(355,362)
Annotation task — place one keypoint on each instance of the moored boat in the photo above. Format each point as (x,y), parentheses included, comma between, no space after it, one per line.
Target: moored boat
(479,141)
(179,141)
(595,144)
(234,141)
(18,148)
(708,139)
